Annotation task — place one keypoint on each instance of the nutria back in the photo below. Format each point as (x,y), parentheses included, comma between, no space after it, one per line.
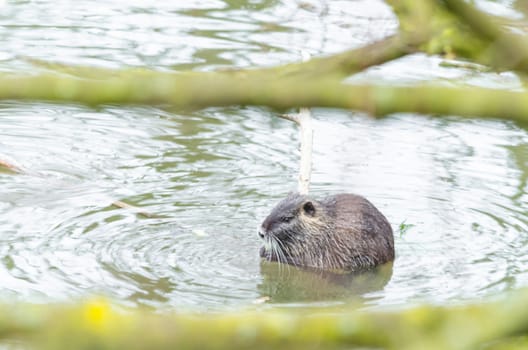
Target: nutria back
(340,232)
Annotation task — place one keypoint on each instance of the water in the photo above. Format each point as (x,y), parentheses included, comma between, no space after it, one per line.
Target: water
(457,186)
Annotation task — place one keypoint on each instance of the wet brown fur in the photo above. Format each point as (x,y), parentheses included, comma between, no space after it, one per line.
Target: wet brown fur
(340,232)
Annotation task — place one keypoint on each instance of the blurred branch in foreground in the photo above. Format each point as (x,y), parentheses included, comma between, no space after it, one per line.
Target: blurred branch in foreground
(216,89)
(95,325)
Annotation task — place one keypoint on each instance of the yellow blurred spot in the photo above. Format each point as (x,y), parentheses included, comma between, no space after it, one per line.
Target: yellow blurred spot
(96,313)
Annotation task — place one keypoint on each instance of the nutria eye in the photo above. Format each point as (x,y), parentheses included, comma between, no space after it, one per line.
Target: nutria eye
(286,218)
(309,208)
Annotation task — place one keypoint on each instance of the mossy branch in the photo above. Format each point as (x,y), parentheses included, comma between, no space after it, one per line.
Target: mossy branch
(457,29)
(507,50)
(96,325)
(198,90)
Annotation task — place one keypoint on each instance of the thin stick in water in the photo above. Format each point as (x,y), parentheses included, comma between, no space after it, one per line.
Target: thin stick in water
(10,166)
(304,120)
(133,208)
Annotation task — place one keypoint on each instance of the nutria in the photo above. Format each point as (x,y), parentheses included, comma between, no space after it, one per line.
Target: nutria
(342,232)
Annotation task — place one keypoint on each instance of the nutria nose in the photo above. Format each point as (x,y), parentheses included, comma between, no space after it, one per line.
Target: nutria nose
(261,234)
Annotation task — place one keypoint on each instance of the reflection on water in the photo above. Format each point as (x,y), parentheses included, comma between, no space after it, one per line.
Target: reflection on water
(211,176)
(186,34)
(285,284)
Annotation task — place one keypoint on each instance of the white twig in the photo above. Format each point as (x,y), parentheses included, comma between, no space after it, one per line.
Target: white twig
(304,120)
(305,170)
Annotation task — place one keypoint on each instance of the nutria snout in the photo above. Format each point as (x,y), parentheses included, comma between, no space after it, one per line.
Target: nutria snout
(340,232)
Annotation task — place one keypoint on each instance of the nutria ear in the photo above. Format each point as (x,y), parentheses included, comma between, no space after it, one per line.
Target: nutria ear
(309,208)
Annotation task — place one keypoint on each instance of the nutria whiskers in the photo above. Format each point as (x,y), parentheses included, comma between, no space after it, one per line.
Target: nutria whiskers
(341,232)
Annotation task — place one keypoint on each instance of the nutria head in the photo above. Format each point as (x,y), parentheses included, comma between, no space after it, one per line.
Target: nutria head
(342,232)
(293,222)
